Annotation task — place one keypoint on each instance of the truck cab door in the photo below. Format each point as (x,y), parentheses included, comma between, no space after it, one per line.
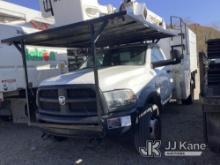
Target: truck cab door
(163,81)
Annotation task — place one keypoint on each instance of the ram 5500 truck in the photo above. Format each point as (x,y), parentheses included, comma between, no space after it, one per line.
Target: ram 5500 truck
(129,80)
(122,86)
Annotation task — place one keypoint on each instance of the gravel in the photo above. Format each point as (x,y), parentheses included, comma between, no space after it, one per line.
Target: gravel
(22,145)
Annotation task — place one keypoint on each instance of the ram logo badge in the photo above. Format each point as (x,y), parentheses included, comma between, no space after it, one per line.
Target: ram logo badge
(62,100)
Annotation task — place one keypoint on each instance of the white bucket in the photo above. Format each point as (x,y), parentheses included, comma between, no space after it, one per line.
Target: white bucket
(140,10)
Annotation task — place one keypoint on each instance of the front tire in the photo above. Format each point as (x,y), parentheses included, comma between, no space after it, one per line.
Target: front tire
(148,127)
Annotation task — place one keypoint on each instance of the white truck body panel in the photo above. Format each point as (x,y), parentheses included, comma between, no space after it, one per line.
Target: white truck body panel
(13,12)
(89,9)
(192,48)
(73,11)
(189,64)
(39,66)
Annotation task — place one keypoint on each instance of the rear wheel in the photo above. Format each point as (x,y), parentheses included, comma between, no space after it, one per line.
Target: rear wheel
(149,126)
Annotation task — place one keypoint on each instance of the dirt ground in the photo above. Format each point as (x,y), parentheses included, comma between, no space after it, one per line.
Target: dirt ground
(21,145)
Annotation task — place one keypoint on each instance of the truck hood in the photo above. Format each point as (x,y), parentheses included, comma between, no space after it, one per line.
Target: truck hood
(117,77)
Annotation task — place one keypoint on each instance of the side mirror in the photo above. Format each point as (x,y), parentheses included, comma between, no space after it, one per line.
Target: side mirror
(176,58)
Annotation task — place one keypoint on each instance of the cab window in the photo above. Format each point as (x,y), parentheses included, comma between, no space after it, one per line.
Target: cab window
(117,57)
(156,55)
(125,57)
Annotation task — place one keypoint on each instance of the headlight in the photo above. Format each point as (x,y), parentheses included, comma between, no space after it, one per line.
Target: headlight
(119,98)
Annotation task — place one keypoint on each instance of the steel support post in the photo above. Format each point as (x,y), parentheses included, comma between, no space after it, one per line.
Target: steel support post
(94,38)
(21,49)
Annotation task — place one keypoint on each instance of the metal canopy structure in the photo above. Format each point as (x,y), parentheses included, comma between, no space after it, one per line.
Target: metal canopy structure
(115,29)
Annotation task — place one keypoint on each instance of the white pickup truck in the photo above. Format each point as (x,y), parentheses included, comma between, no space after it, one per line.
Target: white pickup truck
(135,82)
(132,79)
(118,90)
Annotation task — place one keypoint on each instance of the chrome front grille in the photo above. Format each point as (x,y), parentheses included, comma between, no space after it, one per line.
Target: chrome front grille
(79,101)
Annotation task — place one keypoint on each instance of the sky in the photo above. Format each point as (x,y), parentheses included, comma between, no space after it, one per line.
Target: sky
(206,12)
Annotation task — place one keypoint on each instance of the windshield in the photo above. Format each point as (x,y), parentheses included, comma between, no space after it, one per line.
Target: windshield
(116,57)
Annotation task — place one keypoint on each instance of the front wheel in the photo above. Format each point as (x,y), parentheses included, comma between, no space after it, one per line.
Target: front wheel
(149,126)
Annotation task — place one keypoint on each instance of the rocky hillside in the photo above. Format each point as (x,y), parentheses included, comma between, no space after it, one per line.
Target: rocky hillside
(203,34)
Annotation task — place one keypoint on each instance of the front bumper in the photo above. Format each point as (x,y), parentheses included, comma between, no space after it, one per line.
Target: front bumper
(109,125)
(78,116)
